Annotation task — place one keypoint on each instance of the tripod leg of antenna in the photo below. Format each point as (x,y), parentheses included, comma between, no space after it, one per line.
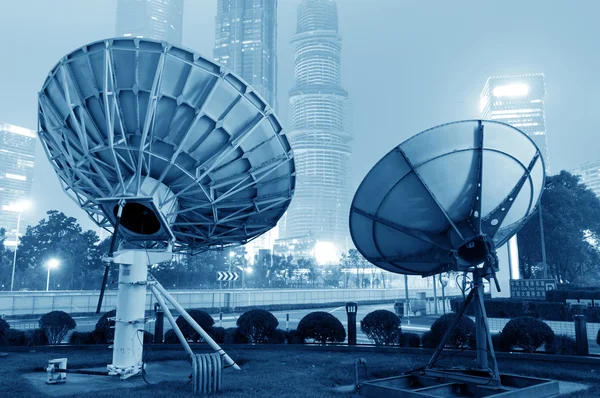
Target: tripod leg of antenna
(448,333)
(167,311)
(488,336)
(195,325)
(480,323)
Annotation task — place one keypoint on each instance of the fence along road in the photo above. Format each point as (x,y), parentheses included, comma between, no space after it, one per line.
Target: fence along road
(84,302)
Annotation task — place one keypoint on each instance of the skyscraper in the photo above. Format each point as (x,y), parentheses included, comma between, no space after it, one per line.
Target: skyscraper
(246,43)
(154,19)
(590,175)
(318,129)
(17,157)
(518,101)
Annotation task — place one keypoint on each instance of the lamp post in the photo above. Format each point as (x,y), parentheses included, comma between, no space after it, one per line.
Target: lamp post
(20,207)
(52,263)
(231,256)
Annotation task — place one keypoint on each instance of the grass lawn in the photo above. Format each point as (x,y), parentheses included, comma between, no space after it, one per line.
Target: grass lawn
(269,371)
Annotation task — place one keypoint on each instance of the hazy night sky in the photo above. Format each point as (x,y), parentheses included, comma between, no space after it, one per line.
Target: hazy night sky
(407,65)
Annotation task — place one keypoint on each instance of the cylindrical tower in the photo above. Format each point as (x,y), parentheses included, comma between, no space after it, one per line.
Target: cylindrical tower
(319,133)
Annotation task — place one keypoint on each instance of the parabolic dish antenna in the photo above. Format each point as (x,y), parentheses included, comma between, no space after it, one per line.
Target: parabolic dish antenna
(173,151)
(444,200)
(447,197)
(197,153)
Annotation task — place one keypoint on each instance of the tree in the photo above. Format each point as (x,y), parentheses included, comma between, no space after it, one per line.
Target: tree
(571,218)
(283,268)
(59,237)
(306,267)
(332,276)
(352,262)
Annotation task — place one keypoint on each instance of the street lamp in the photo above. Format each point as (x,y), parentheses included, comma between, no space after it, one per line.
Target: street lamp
(18,207)
(52,263)
(231,256)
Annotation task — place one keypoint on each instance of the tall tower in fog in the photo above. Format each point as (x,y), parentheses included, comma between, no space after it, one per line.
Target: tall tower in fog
(318,129)
(518,101)
(246,43)
(17,157)
(154,19)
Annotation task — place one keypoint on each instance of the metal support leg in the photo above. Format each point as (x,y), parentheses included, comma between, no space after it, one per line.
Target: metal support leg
(182,339)
(490,345)
(448,333)
(480,323)
(193,323)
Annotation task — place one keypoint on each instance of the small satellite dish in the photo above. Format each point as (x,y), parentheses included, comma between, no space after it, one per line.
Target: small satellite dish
(446,198)
(196,154)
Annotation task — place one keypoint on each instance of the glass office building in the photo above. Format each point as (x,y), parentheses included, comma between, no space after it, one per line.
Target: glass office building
(246,43)
(590,175)
(154,19)
(17,159)
(518,101)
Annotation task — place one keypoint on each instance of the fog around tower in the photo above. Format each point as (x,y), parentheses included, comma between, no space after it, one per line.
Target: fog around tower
(407,66)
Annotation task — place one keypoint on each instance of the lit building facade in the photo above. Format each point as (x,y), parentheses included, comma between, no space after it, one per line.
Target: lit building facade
(17,159)
(590,175)
(246,43)
(154,19)
(518,101)
(318,130)
(297,247)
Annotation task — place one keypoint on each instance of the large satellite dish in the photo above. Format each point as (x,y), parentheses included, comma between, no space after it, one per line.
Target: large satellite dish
(197,153)
(447,197)
(174,152)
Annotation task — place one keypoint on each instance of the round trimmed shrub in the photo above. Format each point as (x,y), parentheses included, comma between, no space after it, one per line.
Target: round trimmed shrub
(79,338)
(16,338)
(562,345)
(56,325)
(203,319)
(171,337)
(527,333)
(104,332)
(217,334)
(322,327)
(463,335)
(412,340)
(234,336)
(294,337)
(148,337)
(257,325)
(4,329)
(278,336)
(35,337)
(499,343)
(381,327)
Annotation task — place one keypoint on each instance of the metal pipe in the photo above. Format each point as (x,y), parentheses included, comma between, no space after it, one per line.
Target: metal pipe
(195,325)
(182,339)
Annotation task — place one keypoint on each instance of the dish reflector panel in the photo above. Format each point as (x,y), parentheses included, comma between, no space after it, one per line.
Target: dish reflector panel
(169,131)
(434,202)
